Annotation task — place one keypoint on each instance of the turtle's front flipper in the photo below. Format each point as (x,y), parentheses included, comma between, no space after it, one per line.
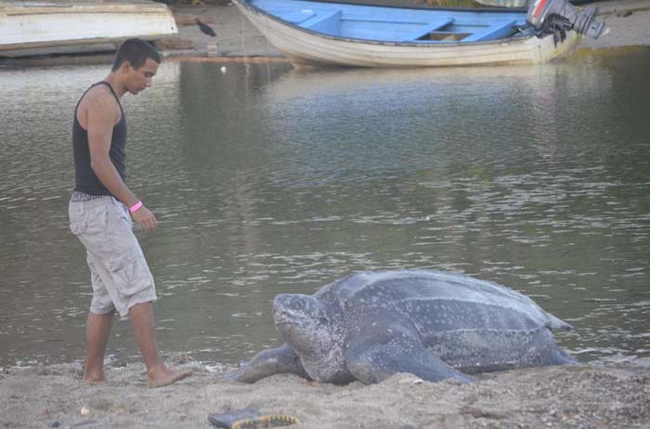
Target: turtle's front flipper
(280,360)
(385,344)
(401,354)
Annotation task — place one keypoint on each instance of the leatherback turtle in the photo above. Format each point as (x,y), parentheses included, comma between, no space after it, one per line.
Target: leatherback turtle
(371,325)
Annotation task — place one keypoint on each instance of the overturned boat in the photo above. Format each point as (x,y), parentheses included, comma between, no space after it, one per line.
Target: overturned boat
(29,28)
(322,33)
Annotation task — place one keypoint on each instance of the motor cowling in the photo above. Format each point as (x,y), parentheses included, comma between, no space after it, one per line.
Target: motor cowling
(551,16)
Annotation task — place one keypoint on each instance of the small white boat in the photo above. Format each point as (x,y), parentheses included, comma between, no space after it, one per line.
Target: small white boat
(37,28)
(322,33)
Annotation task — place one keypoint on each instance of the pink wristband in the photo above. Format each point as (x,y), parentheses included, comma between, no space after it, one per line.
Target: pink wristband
(134,208)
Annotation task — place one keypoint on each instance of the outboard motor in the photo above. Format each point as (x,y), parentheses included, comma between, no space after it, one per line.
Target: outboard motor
(559,16)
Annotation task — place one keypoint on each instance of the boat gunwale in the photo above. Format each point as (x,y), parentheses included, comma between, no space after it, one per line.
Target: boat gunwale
(419,7)
(510,40)
(27,8)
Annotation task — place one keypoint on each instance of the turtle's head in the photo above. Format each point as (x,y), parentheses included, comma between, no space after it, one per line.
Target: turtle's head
(302,321)
(311,328)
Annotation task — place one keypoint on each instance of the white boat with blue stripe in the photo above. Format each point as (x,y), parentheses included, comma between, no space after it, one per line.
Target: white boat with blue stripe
(321,33)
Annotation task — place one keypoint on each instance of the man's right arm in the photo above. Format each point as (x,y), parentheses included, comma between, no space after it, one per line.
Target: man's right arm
(102,114)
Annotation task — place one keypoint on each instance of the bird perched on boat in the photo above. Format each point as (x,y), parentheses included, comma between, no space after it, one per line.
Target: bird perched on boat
(205,28)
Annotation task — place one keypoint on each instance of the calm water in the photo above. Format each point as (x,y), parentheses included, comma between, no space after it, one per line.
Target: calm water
(268,180)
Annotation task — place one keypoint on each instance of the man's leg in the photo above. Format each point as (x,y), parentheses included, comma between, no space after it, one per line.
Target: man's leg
(98,329)
(143,324)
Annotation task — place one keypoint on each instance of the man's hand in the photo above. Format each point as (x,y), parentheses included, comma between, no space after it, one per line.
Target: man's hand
(146,219)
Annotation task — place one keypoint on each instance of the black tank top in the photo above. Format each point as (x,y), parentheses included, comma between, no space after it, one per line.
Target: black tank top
(85,179)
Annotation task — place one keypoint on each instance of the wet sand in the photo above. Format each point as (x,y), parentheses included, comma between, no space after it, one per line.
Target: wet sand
(577,396)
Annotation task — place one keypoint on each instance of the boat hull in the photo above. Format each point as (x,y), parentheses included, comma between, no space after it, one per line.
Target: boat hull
(308,48)
(30,28)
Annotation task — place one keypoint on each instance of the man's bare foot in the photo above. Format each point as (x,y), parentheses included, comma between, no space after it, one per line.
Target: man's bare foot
(166,376)
(93,378)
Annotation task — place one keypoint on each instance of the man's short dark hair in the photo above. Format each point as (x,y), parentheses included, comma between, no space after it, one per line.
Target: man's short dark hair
(135,51)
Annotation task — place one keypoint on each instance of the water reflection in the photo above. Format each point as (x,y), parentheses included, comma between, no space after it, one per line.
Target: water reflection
(269,180)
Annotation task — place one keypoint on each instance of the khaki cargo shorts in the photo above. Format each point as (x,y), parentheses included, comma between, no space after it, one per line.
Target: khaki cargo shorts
(119,272)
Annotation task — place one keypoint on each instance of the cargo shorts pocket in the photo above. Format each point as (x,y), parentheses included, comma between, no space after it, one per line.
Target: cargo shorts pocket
(78,227)
(77,218)
(130,273)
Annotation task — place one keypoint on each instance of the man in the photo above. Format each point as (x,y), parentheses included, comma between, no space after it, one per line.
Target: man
(100,212)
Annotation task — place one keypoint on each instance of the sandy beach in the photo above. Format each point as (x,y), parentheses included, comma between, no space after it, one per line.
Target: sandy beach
(577,396)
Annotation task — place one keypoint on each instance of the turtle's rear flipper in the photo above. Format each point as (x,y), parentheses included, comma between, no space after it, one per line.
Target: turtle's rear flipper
(269,362)
(374,362)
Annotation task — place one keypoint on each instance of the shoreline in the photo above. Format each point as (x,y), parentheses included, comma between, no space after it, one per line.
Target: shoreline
(574,396)
(238,41)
